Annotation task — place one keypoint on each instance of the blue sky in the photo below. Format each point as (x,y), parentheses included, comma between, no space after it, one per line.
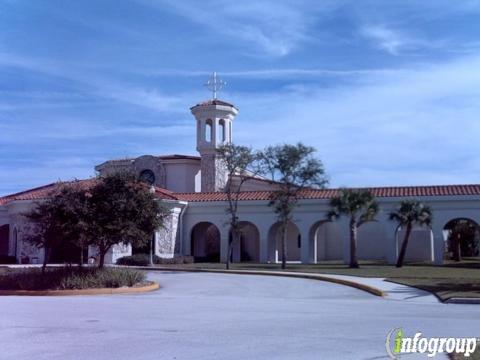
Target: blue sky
(387,91)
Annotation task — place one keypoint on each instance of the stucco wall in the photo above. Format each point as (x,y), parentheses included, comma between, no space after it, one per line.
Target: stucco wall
(181,175)
(376,240)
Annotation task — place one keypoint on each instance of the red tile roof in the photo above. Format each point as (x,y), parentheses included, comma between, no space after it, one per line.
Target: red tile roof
(396,191)
(45,191)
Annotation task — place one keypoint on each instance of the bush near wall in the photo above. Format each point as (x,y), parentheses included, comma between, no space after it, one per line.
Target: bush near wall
(144,260)
(69,278)
(6,259)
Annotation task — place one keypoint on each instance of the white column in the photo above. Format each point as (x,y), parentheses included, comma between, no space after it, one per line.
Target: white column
(263,244)
(438,245)
(224,234)
(305,249)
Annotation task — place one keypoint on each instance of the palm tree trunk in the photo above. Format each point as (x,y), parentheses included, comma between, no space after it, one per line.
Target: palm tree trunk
(284,245)
(353,244)
(403,250)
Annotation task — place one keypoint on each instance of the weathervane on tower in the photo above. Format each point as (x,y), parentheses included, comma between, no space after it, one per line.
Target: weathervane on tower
(215,84)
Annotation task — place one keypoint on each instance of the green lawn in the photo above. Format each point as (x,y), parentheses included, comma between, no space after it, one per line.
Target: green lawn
(446,281)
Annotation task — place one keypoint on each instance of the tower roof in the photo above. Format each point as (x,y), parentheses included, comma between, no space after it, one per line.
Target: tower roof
(214,102)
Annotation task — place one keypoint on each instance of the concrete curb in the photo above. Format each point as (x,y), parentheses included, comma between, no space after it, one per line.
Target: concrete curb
(99,291)
(370,289)
(456,300)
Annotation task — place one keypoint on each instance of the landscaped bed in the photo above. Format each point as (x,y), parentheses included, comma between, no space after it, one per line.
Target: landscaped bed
(453,279)
(70,278)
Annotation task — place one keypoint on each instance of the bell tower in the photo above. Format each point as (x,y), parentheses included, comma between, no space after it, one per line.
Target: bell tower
(214,128)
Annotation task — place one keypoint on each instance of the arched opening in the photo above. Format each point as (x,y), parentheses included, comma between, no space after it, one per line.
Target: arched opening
(462,237)
(221,125)
(294,242)
(208,130)
(248,248)
(371,244)
(325,241)
(205,242)
(420,244)
(4,239)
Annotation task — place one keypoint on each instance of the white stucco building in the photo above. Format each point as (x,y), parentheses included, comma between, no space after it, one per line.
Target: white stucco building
(191,187)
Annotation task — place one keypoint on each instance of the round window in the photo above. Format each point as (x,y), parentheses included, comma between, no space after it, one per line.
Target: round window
(147,176)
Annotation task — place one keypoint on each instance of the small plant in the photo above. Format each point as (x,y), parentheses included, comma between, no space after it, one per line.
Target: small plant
(137,260)
(69,278)
(6,259)
(144,260)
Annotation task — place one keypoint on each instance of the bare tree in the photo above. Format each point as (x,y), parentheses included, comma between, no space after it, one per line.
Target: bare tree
(239,162)
(294,168)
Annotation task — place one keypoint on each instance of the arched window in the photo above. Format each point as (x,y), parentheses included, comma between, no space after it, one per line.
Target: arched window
(208,131)
(147,176)
(221,124)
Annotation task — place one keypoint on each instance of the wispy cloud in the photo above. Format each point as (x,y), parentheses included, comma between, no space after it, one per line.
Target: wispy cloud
(411,129)
(395,41)
(274,73)
(274,28)
(82,84)
(92,83)
(386,39)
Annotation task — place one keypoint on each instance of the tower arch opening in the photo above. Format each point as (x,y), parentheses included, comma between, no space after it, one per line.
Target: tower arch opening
(208,131)
(222,132)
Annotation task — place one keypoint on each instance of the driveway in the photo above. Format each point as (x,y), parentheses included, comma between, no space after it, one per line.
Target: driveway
(220,316)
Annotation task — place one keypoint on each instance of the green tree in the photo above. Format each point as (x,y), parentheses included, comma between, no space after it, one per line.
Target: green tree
(239,162)
(410,212)
(361,207)
(56,221)
(294,168)
(121,209)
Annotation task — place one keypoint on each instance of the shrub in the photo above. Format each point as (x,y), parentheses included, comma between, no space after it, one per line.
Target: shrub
(137,260)
(6,259)
(69,278)
(144,260)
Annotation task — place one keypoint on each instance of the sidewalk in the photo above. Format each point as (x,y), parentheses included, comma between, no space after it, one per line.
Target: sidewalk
(375,286)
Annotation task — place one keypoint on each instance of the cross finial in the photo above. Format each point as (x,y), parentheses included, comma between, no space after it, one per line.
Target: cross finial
(215,84)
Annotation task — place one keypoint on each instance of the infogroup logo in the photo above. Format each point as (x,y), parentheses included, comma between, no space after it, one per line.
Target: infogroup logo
(397,344)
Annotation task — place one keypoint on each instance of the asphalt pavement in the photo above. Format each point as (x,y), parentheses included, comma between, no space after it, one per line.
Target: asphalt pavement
(222,316)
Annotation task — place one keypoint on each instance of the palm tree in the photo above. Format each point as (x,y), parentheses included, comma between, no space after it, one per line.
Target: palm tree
(361,207)
(410,212)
